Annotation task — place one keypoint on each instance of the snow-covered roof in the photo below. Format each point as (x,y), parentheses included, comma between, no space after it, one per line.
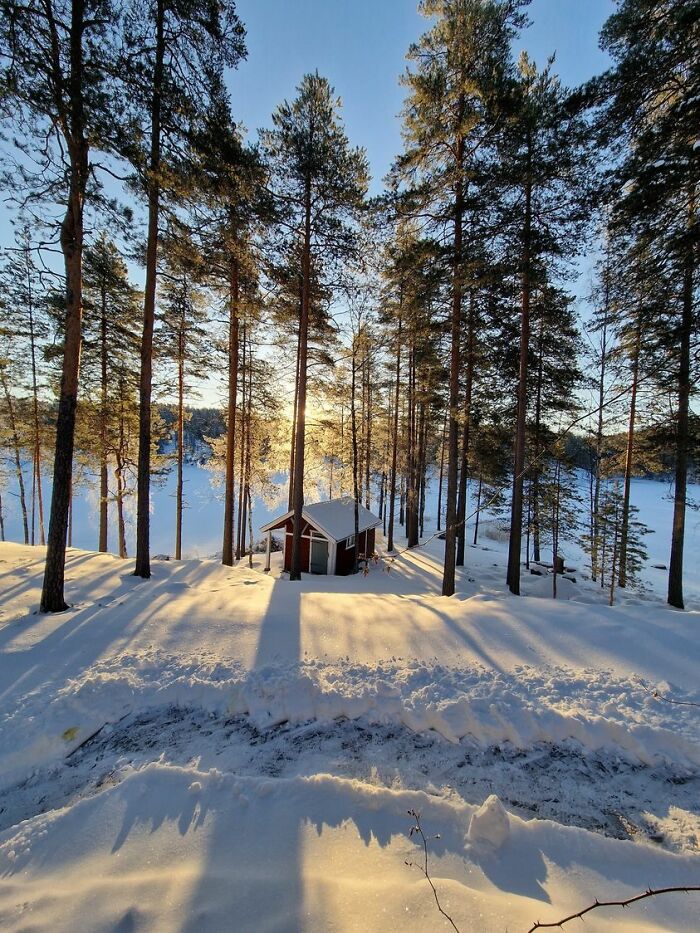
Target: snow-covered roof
(335,518)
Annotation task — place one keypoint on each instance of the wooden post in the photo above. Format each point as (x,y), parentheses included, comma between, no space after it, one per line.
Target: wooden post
(267,551)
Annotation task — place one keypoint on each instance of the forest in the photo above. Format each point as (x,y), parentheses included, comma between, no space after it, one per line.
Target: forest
(518,307)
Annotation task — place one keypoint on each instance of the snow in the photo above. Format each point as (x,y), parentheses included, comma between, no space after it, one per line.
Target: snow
(219,748)
(204,510)
(489,824)
(334,517)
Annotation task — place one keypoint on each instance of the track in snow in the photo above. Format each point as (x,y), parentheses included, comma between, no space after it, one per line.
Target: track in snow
(598,791)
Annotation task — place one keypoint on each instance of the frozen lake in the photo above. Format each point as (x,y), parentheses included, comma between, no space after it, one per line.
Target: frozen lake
(203,518)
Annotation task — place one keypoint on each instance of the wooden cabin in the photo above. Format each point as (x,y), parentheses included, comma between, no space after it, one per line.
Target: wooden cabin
(328,542)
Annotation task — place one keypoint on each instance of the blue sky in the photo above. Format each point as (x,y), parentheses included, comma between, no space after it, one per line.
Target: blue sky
(359,45)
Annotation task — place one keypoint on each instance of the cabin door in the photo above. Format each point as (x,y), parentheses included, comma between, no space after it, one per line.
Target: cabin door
(319,555)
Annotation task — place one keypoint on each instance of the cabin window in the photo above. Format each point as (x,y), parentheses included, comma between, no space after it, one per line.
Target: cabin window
(350,542)
(317,534)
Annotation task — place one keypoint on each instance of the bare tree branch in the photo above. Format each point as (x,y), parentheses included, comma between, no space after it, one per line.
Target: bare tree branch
(650,892)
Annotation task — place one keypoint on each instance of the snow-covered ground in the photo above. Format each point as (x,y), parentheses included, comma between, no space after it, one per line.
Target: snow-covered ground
(221,749)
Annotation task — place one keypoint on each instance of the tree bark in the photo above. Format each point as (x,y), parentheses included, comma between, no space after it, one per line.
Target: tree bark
(243,440)
(119,476)
(442,471)
(180,438)
(595,520)
(368,415)
(629,456)
(104,489)
(35,414)
(412,491)
(516,514)
(229,492)
(675,567)
(143,516)
(52,596)
(300,439)
(248,502)
(478,510)
(464,470)
(448,575)
(394,441)
(535,489)
(355,453)
(290,497)
(17,449)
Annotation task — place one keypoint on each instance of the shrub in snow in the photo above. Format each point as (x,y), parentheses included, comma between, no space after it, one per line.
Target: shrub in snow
(489,824)
(497,531)
(261,546)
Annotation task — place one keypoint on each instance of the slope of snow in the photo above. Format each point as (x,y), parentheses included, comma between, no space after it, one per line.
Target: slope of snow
(223,749)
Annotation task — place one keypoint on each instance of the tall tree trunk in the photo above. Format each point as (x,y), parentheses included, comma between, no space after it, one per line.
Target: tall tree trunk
(104,489)
(2,521)
(143,556)
(229,493)
(422,466)
(516,514)
(17,449)
(478,509)
(295,572)
(442,471)
(595,519)
(361,446)
(290,499)
(250,529)
(535,486)
(464,470)
(70,518)
(675,567)
(613,569)
(248,504)
(52,597)
(394,441)
(119,475)
(355,453)
(448,574)
(36,482)
(555,526)
(121,526)
(629,456)
(368,492)
(528,525)
(180,438)
(412,452)
(240,530)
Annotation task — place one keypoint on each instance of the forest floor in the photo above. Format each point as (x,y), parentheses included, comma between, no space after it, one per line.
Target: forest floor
(221,749)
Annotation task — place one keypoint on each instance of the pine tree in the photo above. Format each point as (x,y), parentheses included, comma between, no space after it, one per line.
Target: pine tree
(450,115)
(174,59)
(544,162)
(321,183)
(110,347)
(652,111)
(24,312)
(183,342)
(56,82)
(230,206)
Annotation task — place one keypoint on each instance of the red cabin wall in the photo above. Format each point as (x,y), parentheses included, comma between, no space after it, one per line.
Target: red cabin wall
(345,557)
(305,546)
